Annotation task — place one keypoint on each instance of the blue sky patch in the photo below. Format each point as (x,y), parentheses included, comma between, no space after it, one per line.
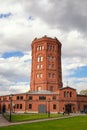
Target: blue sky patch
(31,18)
(80,72)
(5,15)
(12,54)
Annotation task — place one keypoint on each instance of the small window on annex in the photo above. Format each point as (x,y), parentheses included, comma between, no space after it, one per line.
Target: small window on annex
(54,106)
(42,98)
(65,93)
(30,98)
(30,106)
(70,94)
(54,97)
(18,97)
(20,106)
(21,97)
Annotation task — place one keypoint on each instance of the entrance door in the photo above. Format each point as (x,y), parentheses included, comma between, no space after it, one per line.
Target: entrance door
(68,108)
(4,108)
(42,108)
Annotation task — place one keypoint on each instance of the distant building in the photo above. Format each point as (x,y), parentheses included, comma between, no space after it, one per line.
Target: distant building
(47,93)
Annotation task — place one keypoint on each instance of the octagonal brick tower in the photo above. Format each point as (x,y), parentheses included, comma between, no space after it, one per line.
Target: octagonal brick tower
(46,72)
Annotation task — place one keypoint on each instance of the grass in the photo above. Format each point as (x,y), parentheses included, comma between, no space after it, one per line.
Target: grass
(74,123)
(26,117)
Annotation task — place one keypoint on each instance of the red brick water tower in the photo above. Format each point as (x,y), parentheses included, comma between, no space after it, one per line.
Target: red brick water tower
(46,72)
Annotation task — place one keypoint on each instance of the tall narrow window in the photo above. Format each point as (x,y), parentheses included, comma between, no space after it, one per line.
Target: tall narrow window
(49,75)
(42,47)
(51,88)
(53,75)
(38,59)
(41,75)
(20,106)
(41,66)
(70,94)
(41,58)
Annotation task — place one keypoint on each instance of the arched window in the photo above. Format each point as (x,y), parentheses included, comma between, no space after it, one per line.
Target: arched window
(41,58)
(42,47)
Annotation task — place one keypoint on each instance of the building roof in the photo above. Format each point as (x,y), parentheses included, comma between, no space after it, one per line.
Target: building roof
(67,87)
(41,92)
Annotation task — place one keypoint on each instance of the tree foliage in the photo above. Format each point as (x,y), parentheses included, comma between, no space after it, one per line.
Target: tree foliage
(83,92)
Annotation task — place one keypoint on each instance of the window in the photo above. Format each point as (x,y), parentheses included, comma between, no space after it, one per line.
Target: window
(53,48)
(54,106)
(17,106)
(38,59)
(37,75)
(48,58)
(17,97)
(53,75)
(42,98)
(54,97)
(21,97)
(53,58)
(30,106)
(41,58)
(30,97)
(20,106)
(37,66)
(41,75)
(70,94)
(49,75)
(39,88)
(65,93)
(41,66)
(52,65)
(42,47)
(37,48)
(49,66)
(51,88)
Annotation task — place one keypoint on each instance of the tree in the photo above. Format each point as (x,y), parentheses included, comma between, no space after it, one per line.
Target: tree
(83,92)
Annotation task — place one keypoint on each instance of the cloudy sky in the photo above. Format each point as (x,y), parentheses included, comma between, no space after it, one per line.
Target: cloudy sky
(23,20)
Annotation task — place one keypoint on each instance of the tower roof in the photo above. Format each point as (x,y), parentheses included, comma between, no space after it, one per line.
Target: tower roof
(46,38)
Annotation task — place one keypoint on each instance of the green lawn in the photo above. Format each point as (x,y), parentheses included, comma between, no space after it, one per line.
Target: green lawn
(74,123)
(25,117)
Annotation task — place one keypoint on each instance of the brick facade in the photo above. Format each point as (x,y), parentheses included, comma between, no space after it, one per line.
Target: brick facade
(47,93)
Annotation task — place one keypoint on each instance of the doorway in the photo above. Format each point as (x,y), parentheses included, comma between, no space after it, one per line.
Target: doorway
(42,108)
(68,108)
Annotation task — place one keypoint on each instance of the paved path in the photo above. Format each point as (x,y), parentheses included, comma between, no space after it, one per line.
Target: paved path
(4,122)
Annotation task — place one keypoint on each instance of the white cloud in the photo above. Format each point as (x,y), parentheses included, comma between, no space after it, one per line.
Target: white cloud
(63,19)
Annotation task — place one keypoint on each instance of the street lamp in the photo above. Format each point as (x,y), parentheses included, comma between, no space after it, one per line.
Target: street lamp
(49,107)
(10,105)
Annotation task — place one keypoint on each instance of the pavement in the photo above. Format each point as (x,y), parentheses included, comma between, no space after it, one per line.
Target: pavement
(4,122)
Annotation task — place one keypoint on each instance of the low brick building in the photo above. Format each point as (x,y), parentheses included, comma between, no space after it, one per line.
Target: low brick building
(47,93)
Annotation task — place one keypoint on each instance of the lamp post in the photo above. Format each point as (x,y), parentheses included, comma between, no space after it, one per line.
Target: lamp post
(49,107)
(10,106)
